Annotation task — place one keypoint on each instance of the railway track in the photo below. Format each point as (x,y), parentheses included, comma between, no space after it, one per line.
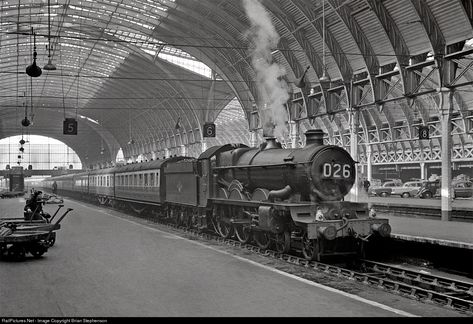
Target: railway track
(450,293)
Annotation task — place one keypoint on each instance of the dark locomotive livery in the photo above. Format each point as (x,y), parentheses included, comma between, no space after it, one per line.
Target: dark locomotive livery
(281,198)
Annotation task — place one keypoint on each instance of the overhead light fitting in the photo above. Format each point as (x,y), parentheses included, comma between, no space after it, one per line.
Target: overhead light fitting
(49,66)
(300,83)
(25,122)
(33,70)
(324,77)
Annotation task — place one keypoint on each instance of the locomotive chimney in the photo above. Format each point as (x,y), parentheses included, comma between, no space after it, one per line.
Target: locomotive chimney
(271,143)
(314,136)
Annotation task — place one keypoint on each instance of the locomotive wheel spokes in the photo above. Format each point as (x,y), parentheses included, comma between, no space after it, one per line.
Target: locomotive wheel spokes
(282,242)
(243,233)
(262,240)
(310,249)
(224,229)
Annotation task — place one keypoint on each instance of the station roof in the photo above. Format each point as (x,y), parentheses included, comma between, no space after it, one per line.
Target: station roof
(115,72)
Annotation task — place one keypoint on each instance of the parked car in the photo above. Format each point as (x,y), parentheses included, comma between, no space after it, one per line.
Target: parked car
(463,189)
(393,188)
(384,190)
(429,189)
(408,189)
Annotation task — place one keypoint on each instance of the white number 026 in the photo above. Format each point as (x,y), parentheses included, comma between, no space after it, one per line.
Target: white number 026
(336,170)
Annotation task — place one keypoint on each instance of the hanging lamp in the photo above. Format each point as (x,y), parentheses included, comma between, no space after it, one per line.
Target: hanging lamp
(325,77)
(49,66)
(33,70)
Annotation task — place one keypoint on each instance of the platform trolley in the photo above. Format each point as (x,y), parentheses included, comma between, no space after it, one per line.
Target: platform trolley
(18,238)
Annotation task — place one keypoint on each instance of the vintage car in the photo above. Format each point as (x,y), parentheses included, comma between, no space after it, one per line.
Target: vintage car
(429,189)
(396,188)
(462,189)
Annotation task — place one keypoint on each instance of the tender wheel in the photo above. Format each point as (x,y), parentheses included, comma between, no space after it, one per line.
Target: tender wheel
(405,195)
(310,249)
(282,242)
(262,240)
(224,229)
(243,233)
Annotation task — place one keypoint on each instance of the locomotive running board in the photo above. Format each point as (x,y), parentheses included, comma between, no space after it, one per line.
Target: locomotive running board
(255,203)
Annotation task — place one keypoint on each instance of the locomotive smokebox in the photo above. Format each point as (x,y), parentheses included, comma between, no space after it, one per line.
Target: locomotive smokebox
(314,136)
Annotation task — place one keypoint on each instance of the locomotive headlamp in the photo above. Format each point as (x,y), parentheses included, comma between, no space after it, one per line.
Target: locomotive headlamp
(328,232)
(384,230)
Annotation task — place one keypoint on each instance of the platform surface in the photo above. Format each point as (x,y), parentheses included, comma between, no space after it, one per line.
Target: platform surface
(456,234)
(453,234)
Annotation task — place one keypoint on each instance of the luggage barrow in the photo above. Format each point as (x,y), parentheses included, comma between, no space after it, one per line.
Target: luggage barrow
(36,242)
(37,225)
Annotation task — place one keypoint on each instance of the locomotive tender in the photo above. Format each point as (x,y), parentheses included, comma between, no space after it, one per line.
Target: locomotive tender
(281,198)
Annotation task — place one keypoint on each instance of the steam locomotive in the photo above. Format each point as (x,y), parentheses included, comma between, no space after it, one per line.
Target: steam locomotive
(286,199)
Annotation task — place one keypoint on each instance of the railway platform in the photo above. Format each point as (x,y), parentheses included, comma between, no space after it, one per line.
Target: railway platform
(418,225)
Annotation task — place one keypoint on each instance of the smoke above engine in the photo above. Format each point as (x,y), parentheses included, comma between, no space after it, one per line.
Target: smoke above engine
(272,87)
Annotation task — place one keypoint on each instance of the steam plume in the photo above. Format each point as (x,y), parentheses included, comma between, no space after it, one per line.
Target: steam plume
(271,85)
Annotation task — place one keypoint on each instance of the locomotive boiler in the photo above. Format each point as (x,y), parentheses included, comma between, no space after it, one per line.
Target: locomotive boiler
(315,172)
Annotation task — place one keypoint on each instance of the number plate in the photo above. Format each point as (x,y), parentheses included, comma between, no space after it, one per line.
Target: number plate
(336,171)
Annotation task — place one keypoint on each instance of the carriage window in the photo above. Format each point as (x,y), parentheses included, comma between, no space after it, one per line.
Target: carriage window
(157,179)
(146,180)
(140,177)
(151,179)
(108,181)
(135,179)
